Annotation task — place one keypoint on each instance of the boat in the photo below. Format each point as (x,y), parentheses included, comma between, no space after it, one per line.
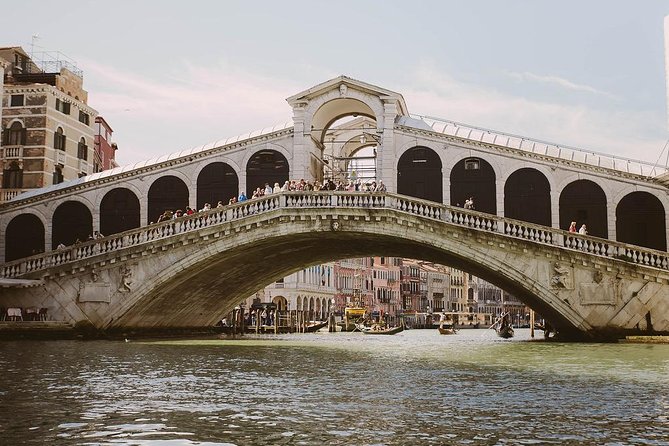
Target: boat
(380,330)
(447,329)
(314,326)
(503,326)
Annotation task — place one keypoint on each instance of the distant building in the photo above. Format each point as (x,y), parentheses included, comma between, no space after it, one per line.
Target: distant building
(105,149)
(48,129)
(386,276)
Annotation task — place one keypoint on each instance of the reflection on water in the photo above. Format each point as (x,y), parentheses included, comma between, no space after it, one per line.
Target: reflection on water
(416,387)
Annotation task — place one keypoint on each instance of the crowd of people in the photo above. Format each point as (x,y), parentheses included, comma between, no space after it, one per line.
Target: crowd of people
(583,230)
(288,185)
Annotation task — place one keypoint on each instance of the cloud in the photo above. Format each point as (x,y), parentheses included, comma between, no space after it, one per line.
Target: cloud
(200,104)
(557,81)
(626,133)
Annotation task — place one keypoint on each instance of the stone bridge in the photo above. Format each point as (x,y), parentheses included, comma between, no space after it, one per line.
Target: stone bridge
(188,272)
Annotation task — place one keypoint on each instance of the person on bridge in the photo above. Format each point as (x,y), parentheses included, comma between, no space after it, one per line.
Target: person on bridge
(242,197)
(572,227)
(381,187)
(583,230)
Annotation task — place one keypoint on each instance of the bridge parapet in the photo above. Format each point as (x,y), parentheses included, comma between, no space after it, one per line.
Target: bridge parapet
(290,200)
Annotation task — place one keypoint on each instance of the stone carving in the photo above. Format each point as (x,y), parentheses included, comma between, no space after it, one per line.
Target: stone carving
(126,280)
(94,275)
(597,277)
(561,277)
(95,290)
(335,225)
(343,89)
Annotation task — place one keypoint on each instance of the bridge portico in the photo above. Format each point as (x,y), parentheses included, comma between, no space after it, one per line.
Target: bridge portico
(512,180)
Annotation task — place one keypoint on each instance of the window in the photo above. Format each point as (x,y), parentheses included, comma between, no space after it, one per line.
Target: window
(82,150)
(15,135)
(59,139)
(17,100)
(472,164)
(62,106)
(58,175)
(83,117)
(12,178)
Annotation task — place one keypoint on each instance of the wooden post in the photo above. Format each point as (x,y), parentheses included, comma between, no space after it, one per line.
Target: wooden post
(532,323)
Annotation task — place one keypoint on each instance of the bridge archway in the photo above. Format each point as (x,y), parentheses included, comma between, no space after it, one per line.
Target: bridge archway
(216,182)
(474,177)
(527,197)
(119,211)
(584,202)
(419,174)
(24,237)
(266,166)
(640,220)
(72,221)
(166,193)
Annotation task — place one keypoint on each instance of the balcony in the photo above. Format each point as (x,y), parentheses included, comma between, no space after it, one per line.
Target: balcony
(60,157)
(8,194)
(12,152)
(84,166)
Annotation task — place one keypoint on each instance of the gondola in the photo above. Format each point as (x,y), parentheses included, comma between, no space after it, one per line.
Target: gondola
(314,326)
(447,329)
(379,330)
(503,326)
(505,332)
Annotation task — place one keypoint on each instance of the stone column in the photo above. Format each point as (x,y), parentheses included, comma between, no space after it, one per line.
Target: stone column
(555,209)
(499,188)
(386,159)
(299,167)
(611,220)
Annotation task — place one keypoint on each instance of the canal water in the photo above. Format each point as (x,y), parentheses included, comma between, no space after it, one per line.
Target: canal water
(414,388)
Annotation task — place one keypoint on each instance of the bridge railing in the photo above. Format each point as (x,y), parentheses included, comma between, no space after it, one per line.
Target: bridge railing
(325,199)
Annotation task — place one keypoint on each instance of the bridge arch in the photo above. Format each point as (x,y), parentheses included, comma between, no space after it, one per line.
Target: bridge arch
(24,236)
(584,202)
(119,211)
(527,196)
(474,177)
(72,222)
(167,192)
(419,174)
(641,220)
(326,109)
(217,181)
(266,166)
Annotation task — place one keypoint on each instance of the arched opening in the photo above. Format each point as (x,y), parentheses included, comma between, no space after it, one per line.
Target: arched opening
(419,174)
(640,220)
(12,176)
(72,222)
(584,202)
(15,135)
(119,211)
(527,197)
(474,178)
(167,193)
(281,303)
(24,237)
(266,166)
(216,182)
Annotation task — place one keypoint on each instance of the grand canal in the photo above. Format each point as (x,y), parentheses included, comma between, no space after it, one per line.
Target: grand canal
(413,388)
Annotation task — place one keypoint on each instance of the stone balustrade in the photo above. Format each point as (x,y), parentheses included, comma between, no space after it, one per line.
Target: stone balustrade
(343,200)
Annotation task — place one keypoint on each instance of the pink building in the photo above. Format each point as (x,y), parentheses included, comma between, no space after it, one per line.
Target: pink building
(105,150)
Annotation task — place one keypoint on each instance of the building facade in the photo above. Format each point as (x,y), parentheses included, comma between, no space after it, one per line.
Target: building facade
(48,128)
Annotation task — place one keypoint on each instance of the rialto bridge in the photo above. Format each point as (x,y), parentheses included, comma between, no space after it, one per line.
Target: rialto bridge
(189,271)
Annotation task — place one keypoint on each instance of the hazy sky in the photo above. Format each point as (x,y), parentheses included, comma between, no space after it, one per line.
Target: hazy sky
(172,75)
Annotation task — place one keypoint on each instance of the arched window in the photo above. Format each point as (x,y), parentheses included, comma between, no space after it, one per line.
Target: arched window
(266,166)
(82,149)
(15,135)
(527,197)
(168,193)
(474,178)
(72,222)
(119,211)
(58,175)
(59,139)
(584,202)
(12,176)
(24,237)
(640,220)
(419,174)
(217,182)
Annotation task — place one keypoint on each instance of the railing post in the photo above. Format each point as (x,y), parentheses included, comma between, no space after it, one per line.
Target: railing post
(558,238)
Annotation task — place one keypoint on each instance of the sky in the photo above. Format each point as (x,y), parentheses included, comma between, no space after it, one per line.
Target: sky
(169,75)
